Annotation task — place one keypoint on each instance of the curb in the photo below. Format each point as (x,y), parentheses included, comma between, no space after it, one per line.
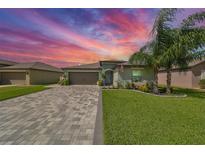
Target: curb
(98,132)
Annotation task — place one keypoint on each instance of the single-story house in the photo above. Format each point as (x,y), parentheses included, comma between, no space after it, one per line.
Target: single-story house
(113,73)
(4,63)
(33,73)
(188,78)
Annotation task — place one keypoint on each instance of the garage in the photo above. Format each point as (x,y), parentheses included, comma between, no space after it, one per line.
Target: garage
(31,73)
(17,78)
(83,78)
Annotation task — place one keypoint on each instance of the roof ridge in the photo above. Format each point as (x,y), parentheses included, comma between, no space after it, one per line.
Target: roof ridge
(33,64)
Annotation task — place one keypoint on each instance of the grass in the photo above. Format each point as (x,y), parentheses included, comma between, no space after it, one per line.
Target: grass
(14,91)
(136,118)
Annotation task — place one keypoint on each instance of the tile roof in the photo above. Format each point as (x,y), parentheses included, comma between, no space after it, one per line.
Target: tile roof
(85,66)
(128,64)
(6,62)
(32,65)
(114,61)
(194,63)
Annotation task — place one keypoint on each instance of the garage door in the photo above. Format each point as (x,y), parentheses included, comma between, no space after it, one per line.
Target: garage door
(83,78)
(13,78)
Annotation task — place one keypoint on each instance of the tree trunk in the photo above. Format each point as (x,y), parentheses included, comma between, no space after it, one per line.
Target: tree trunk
(169,75)
(155,84)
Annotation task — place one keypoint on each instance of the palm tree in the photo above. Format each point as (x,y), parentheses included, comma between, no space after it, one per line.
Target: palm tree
(150,54)
(184,45)
(148,59)
(174,47)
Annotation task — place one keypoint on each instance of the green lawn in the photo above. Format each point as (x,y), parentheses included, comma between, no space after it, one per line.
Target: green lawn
(14,91)
(135,118)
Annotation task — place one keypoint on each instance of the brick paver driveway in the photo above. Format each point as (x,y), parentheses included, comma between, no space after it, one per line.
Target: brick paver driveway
(61,115)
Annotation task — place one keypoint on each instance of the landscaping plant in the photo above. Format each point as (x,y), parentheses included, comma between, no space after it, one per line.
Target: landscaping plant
(143,88)
(100,82)
(202,83)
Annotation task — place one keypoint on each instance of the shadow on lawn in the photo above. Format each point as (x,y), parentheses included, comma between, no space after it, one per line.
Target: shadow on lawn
(190,92)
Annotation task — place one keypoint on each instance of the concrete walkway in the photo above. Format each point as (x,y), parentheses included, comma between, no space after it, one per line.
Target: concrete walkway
(61,115)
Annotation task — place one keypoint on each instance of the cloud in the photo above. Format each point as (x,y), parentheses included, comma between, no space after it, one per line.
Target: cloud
(49,37)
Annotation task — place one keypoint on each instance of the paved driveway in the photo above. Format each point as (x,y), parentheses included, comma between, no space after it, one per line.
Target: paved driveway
(61,115)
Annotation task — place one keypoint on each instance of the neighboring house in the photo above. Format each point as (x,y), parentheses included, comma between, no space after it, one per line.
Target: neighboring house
(4,63)
(113,73)
(29,74)
(188,78)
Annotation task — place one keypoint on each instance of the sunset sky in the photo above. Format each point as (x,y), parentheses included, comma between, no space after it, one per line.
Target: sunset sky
(64,37)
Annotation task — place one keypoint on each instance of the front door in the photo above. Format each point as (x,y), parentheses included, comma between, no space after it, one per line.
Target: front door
(109,77)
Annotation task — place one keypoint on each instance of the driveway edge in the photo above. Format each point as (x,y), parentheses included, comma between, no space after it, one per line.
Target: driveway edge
(98,132)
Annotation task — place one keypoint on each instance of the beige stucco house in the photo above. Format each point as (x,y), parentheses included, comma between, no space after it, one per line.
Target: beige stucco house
(188,78)
(33,73)
(113,72)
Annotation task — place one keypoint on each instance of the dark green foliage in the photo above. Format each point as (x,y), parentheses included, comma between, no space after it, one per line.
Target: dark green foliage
(163,90)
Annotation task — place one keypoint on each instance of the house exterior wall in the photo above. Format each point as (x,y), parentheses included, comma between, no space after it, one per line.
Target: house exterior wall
(126,74)
(185,79)
(147,74)
(179,79)
(203,74)
(115,78)
(198,74)
(43,77)
(13,77)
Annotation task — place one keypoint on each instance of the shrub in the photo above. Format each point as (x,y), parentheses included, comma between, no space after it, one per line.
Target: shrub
(150,85)
(63,82)
(128,85)
(164,89)
(202,83)
(143,88)
(136,85)
(100,82)
(66,82)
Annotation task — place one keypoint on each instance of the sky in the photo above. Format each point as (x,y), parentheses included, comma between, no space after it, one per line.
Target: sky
(65,37)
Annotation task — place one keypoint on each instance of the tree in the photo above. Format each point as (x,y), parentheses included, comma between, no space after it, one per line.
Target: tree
(150,54)
(174,46)
(148,59)
(184,45)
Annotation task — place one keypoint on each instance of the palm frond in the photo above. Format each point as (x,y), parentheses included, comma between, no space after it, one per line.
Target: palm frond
(162,20)
(141,58)
(193,19)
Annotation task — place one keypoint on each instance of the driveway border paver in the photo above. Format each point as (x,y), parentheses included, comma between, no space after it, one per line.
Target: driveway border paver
(98,133)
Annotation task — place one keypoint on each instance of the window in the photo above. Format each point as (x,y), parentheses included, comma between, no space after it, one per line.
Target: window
(136,75)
